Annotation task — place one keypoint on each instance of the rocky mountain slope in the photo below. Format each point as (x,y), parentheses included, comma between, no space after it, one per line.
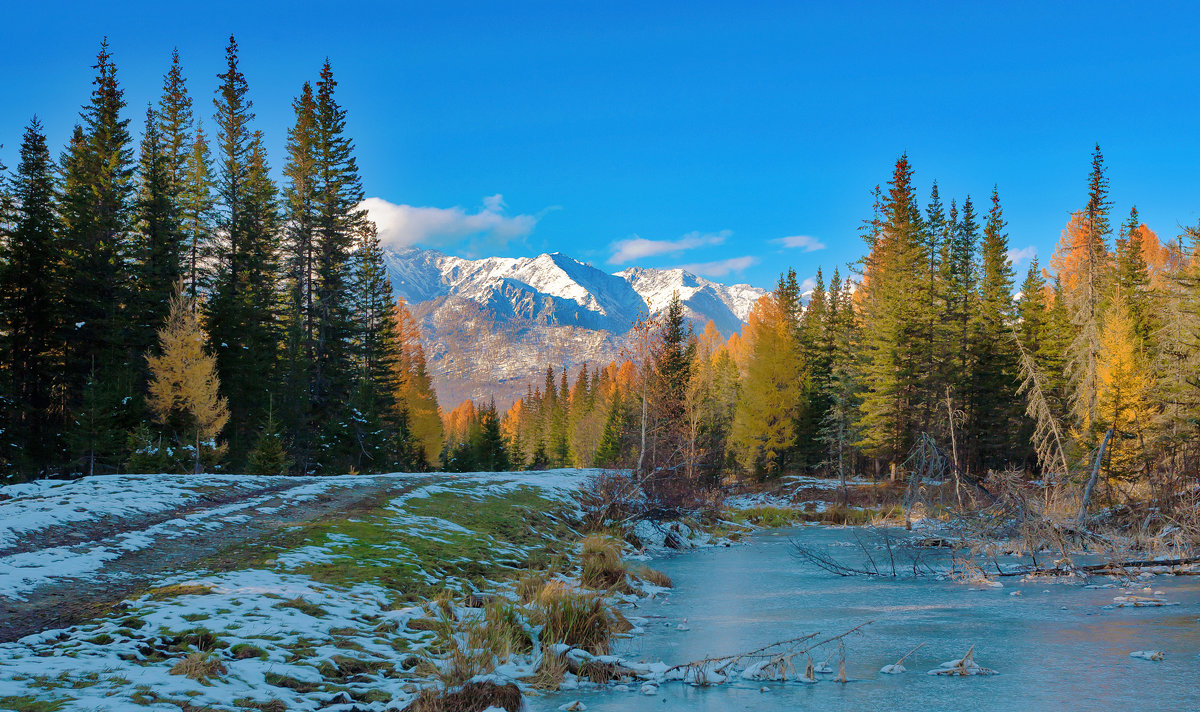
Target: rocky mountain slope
(493,325)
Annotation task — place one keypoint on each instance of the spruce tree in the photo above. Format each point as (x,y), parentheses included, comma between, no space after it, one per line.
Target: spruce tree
(1085,298)
(97,275)
(197,210)
(30,309)
(992,407)
(1131,278)
(159,248)
(892,313)
(243,306)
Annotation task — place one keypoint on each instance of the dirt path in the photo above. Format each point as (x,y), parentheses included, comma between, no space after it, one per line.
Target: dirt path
(217,543)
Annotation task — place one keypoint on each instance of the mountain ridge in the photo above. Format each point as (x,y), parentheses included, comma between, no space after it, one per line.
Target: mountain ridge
(492,325)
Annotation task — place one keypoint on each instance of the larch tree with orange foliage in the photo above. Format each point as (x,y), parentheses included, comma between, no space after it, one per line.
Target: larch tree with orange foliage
(1125,386)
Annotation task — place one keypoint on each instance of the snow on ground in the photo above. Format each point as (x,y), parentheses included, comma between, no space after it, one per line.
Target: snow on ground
(278,633)
(92,499)
(37,506)
(34,506)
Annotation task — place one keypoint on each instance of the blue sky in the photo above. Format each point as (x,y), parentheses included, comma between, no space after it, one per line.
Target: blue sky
(667,134)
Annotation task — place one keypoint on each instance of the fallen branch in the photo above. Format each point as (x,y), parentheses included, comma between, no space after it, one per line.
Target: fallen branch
(777,663)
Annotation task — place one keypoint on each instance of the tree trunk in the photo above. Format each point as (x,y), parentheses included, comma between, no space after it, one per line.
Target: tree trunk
(1087,492)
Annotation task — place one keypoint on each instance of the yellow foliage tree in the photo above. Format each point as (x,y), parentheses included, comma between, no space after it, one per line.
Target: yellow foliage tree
(763,425)
(1124,384)
(183,380)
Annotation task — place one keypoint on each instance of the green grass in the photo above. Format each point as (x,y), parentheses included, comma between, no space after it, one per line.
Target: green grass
(509,532)
(767,516)
(25,703)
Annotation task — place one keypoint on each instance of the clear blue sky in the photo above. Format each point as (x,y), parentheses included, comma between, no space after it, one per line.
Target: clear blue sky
(720,127)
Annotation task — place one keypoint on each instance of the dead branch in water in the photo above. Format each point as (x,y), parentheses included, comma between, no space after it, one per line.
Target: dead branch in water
(778,660)
(902,555)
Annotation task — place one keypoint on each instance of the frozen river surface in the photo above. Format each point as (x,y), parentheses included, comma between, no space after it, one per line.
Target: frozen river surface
(1054,646)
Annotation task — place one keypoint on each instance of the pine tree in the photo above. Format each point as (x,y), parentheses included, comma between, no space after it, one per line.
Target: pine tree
(97,280)
(243,306)
(30,258)
(184,384)
(269,456)
(893,372)
(197,209)
(299,202)
(159,248)
(339,226)
(378,351)
(993,407)
(1085,299)
(1132,279)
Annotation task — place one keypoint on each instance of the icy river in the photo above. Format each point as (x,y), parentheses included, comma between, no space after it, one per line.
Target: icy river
(1055,646)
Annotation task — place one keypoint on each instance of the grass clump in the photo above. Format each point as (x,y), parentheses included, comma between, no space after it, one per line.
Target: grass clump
(602,565)
(572,617)
(303,606)
(291,683)
(162,593)
(199,667)
(269,706)
(471,697)
(245,651)
(768,516)
(653,576)
(344,669)
(25,703)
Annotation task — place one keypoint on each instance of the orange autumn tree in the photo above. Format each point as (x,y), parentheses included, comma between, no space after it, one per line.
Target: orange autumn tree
(414,387)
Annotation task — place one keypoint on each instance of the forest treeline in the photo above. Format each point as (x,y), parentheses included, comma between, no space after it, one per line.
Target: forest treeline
(166,306)
(929,338)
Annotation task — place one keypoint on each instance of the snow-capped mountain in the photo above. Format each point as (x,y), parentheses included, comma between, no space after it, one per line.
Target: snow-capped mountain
(492,325)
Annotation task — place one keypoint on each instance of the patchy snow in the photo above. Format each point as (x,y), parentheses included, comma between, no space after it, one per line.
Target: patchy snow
(280,635)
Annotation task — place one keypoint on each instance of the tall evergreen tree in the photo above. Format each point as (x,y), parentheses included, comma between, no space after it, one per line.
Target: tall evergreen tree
(892,314)
(1085,299)
(98,213)
(243,306)
(30,255)
(159,248)
(993,406)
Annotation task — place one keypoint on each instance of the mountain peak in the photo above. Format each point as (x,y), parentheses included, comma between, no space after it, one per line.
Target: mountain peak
(501,320)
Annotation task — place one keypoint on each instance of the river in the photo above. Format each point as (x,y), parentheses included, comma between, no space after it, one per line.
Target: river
(1055,646)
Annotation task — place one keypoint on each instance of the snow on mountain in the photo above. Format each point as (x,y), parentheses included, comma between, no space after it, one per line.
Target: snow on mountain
(492,325)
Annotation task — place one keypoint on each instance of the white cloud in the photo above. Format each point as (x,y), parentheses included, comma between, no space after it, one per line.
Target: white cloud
(635,248)
(407,225)
(1016,256)
(721,268)
(808,243)
(808,285)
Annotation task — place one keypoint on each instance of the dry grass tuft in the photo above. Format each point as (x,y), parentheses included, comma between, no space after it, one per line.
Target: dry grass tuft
(471,697)
(550,673)
(164,592)
(602,565)
(573,617)
(199,667)
(653,576)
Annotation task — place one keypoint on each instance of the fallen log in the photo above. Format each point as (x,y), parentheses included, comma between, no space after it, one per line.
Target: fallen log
(1110,567)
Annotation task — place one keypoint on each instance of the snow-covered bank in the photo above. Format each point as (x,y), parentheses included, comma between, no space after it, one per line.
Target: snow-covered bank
(316,619)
